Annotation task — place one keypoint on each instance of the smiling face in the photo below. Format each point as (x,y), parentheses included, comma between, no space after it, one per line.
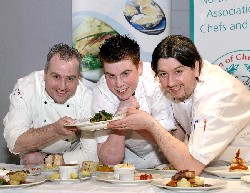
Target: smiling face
(122,78)
(61,78)
(178,80)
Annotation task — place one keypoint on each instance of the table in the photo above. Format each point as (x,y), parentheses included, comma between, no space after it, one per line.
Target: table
(94,186)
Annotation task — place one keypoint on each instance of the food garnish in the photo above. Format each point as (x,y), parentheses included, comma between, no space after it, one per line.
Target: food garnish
(101,116)
(238,164)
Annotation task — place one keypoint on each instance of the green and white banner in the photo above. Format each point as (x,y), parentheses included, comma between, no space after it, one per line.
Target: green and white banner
(146,21)
(220,29)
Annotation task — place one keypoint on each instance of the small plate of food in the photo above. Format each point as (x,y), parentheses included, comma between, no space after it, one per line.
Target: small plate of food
(166,170)
(237,169)
(111,179)
(98,121)
(187,181)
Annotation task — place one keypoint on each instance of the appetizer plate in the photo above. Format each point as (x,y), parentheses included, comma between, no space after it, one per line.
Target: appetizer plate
(246,178)
(110,178)
(30,181)
(164,173)
(223,171)
(88,126)
(159,170)
(215,184)
(81,178)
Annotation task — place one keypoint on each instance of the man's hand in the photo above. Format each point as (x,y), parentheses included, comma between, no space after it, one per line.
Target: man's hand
(33,158)
(129,103)
(64,130)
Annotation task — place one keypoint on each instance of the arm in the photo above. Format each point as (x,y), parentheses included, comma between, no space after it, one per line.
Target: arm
(33,139)
(174,150)
(113,149)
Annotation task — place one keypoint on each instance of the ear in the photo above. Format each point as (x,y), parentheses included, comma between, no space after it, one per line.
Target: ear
(140,67)
(197,69)
(44,74)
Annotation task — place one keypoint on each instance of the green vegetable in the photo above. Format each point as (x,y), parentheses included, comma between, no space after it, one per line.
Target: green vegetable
(91,62)
(101,116)
(3,181)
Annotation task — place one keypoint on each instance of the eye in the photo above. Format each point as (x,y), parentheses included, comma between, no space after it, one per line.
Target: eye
(125,74)
(178,72)
(70,79)
(55,76)
(110,76)
(162,74)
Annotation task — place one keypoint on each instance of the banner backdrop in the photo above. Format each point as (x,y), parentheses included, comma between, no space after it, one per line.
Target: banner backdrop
(220,29)
(146,21)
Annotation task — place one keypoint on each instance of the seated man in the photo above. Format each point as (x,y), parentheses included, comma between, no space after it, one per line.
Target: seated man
(123,86)
(42,102)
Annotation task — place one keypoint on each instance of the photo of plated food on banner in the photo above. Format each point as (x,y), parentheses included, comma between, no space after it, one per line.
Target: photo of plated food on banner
(146,16)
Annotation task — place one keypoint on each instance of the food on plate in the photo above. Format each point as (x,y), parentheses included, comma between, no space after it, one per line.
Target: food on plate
(186,178)
(101,116)
(14,178)
(85,173)
(146,177)
(104,168)
(238,164)
(89,166)
(130,10)
(52,161)
(54,176)
(73,176)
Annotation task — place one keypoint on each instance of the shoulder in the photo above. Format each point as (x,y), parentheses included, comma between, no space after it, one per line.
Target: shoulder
(214,80)
(31,82)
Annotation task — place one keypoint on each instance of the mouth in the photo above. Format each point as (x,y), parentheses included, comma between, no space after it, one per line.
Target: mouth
(175,90)
(121,91)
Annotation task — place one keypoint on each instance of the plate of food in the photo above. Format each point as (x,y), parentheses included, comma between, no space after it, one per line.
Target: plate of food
(111,179)
(237,169)
(19,180)
(166,170)
(55,178)
(209,184)
(98,121)
(186,180)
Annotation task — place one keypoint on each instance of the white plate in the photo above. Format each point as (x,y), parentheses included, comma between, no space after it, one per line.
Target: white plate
(215,183)
(30,181)
(87,126)
(223,171)
(246,178)
(81,178)
(110,178)
(164,173)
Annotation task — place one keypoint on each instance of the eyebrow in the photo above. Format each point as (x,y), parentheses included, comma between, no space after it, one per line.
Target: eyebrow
(108,73)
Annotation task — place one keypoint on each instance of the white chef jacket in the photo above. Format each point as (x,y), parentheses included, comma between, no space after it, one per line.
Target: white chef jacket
(216,117)
(151,99)
(32,107)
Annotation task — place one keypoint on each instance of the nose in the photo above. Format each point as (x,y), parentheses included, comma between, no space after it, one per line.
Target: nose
(119,81)
(63,85)
(170,80)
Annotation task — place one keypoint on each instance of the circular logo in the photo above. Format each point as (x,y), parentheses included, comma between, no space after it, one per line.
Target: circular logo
(236,63)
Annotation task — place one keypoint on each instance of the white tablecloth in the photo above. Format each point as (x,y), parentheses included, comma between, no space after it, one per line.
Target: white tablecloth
(94,186)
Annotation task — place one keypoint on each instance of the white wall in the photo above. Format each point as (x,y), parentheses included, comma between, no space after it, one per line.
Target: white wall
(29,27)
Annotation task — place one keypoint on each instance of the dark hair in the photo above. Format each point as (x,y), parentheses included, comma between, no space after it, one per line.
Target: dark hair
(178,47)
(66,52)
(119,47)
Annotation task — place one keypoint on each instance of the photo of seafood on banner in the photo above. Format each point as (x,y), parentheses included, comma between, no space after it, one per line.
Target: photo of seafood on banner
(93,21)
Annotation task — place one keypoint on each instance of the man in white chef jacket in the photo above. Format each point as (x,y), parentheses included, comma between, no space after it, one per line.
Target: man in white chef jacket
(42,102)
(123,85)
(212,107)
